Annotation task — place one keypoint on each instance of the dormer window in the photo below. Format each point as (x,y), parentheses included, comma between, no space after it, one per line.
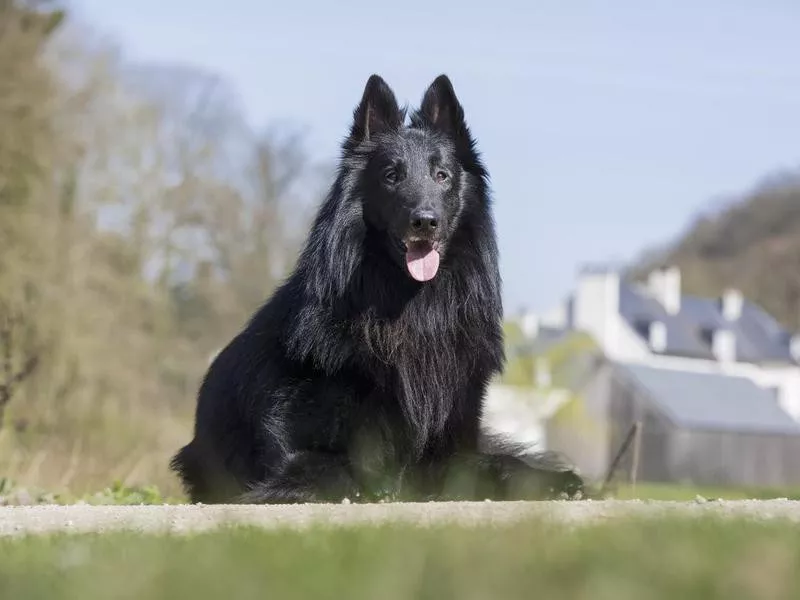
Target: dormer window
(794,347)
(722,342)
(655,332)
(657,336)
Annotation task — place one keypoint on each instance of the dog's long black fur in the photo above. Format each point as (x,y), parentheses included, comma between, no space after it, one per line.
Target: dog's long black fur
(357,379)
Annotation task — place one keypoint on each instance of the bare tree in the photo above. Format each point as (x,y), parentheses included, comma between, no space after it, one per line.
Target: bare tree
(141,221)
(13,372)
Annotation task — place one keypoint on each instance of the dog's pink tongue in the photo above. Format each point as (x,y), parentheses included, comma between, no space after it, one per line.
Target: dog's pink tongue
(422,262)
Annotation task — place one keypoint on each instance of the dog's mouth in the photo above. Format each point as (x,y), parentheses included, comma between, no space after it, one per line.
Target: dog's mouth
(422,258)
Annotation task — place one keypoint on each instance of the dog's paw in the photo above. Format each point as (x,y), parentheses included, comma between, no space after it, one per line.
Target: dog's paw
(547,476)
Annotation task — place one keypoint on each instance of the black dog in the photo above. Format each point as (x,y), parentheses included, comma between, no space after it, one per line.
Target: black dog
(364,375)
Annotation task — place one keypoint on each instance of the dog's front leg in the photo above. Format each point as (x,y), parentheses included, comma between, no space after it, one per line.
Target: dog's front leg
(306,477)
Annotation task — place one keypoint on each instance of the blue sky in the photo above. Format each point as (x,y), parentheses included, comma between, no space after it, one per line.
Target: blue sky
(605,125)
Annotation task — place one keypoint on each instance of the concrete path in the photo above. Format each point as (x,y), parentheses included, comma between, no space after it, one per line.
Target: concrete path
(181,519)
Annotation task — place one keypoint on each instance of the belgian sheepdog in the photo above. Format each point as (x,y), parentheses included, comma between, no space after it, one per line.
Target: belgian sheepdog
(363,376)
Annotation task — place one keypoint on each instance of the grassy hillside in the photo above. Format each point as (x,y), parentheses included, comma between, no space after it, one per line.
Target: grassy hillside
(751,242)
(563,357)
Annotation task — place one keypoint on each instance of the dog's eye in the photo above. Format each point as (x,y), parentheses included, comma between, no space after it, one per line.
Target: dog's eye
(441,176)
(390,175)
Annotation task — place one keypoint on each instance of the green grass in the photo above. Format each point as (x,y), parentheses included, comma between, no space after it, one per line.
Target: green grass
(659,491)
(116,493)
(633,560)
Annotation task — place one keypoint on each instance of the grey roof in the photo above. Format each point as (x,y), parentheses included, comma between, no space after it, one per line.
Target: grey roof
(711,402)
(759,338)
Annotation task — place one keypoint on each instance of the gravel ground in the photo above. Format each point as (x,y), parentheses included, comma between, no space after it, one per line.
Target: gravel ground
(180,519)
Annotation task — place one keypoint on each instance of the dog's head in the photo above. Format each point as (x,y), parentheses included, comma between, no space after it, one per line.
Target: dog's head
(413,180)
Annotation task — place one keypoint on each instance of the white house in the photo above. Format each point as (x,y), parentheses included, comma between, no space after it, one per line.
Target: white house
(715,382)
(657,325)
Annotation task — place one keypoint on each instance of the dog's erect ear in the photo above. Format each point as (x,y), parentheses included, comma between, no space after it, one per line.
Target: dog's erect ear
(378,111)
(441,109)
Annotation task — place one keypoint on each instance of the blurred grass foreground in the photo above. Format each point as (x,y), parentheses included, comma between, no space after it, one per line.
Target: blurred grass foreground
(675,558)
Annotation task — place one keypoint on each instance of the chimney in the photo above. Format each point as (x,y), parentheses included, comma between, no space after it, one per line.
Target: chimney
(657,336)
(723,344)
(596,305)
(665,285)
(731,304)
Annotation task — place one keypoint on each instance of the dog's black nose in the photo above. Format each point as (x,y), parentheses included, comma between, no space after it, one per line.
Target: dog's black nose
(424,221)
